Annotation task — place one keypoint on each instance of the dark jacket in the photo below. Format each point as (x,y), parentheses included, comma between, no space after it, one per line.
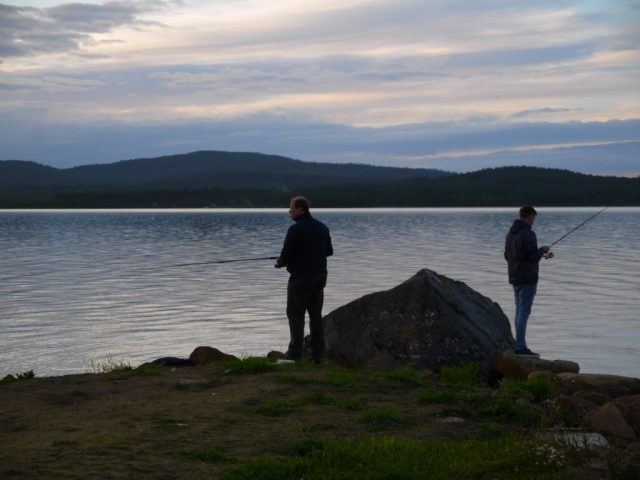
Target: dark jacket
(306,247)
(522,253)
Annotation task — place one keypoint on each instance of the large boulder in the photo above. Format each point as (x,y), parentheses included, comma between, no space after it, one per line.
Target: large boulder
(428,321)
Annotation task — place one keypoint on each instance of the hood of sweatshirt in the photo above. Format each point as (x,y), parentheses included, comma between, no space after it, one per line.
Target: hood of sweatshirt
(518,226)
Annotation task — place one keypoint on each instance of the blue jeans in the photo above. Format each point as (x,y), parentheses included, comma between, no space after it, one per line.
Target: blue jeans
(524,295)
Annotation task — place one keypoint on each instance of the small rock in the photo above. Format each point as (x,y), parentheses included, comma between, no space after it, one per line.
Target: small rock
(275,355)
(510,365)
(173,362)
(572,410)
(204,355)
(590,440)
(608,420)
(630,463)
(612,385)
(544,374)
(595,397)
(283,361)
(629,406)
(451,420)
(188,382)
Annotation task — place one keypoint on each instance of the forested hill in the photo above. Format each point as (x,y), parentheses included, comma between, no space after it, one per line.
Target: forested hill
(327,185)
(206,169)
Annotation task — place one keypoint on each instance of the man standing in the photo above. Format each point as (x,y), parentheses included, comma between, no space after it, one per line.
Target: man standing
(305,251)
(523,256)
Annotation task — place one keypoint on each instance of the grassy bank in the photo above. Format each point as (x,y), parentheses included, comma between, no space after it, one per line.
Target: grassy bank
(253,419)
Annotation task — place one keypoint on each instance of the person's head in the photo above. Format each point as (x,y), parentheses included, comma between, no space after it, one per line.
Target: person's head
(298,206)
(528,214)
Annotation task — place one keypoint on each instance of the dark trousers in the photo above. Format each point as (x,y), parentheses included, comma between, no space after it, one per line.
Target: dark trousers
(306,294)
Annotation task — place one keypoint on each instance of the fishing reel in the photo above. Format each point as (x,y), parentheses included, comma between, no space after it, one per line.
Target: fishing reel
(549,255)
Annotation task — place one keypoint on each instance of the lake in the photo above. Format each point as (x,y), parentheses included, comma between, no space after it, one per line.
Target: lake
(78,287)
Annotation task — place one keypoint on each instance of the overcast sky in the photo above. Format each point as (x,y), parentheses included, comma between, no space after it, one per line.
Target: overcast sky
(457,85)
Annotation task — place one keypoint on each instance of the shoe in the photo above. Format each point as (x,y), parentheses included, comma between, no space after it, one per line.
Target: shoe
(525,352)
(315,360)
(292,356)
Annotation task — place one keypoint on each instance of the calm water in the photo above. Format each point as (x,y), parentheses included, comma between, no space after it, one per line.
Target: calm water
(78,286)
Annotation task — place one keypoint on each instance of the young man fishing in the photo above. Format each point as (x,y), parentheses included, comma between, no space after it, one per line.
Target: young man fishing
(305,251)
(523,256)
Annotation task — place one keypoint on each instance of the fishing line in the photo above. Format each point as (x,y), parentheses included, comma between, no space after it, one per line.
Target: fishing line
(213,262)
(576,228)
(550,254)
(130,273)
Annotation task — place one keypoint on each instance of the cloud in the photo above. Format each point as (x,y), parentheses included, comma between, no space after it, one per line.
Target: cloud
(383,81)
(537,111)
(26,31)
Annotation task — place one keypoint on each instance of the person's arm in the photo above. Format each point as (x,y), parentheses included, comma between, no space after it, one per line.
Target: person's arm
(329,251)
(287,250)
(532,253)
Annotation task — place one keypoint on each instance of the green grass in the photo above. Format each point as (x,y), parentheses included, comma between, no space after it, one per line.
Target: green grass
(461,376)
(536,389)
(275,408)
(109,366)
(383,417)
(406,376)
(385,458)
(353,403)
(167,422)
(28,375)
(334,376)
(207,454)
(322,426)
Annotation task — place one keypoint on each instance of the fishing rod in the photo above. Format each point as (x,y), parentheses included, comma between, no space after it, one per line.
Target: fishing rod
(576,228)
(213,262)
(550,254)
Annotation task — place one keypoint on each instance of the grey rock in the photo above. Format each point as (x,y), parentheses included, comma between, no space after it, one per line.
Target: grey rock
(428,321)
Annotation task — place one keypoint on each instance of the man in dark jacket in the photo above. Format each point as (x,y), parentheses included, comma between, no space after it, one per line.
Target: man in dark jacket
(523,256)
(305,251)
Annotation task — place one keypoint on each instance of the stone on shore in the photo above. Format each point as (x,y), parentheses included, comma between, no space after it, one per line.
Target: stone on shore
(611,385)
(629,406)
(510,365)
(205,355)
(609,421)
(428,321)
(173,362)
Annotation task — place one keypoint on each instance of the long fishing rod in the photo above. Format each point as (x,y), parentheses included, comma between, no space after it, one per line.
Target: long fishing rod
(213,262)
(576,228)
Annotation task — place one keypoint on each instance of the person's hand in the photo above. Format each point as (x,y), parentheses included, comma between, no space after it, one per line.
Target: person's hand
(546,249)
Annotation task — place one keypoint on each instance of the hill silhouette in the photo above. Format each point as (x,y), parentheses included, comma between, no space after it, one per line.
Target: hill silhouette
(230,179)
(205,169)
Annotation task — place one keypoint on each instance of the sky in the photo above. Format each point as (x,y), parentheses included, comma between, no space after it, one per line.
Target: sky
(448,84)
